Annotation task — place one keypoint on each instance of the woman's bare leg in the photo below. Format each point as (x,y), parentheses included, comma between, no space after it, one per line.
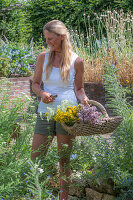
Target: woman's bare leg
(64,149)
(40,145)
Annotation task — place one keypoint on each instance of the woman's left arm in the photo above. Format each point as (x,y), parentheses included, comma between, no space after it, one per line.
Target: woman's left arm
(79,81)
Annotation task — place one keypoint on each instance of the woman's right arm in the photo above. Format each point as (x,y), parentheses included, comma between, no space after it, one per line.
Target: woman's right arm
(37,80)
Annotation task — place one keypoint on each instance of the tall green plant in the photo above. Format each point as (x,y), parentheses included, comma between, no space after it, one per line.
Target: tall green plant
(20,177)
(123,137)
(110,158)
(15,136)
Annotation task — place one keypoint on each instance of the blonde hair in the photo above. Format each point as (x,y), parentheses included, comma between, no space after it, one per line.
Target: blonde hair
(58,27)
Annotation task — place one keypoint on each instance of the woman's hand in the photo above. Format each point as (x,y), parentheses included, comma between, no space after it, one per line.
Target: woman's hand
(46,97)
(85,100)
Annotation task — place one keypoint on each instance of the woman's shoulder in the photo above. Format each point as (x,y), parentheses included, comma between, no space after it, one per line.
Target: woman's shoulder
(78,60)
(43,55)
(79,64)
(76,57)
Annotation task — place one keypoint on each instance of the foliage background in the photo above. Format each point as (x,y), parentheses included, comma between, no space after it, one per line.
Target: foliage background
(22,20)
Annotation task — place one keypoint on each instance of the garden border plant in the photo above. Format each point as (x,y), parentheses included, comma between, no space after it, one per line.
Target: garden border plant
(17,59)
(111,41)
(20,176)
(111,160)
(98,159)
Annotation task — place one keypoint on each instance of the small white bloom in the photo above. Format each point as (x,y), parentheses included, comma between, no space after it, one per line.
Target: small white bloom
(65,104)
(36,165)
(40,170)
(51,113)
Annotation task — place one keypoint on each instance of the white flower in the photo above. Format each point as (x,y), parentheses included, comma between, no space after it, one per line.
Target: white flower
(36,165)
(40,170)
(64,104)
(51,113)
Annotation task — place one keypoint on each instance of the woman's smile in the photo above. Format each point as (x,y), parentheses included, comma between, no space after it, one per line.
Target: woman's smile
(53,40)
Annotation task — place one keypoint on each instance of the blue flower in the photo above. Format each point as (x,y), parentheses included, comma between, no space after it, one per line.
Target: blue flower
(73,156)
(48,193)
(28,162)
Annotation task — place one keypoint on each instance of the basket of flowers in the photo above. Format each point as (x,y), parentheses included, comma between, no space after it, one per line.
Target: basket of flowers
(85,120)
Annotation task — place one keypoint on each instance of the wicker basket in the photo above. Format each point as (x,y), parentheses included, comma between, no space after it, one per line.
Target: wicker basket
(108,125)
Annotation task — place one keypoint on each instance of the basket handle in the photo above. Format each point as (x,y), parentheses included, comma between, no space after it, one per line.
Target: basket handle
(100,106)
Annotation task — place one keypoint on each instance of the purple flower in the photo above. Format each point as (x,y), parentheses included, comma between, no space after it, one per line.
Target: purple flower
(81,119)
(89,114)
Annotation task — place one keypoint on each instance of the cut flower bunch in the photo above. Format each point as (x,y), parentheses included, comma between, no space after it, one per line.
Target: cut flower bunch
(69,114)
(83,120)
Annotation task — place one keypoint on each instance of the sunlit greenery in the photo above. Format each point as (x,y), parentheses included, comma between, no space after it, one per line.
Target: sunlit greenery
(102,35)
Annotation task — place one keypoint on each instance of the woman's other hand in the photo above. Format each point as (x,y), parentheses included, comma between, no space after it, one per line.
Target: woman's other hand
(85,100)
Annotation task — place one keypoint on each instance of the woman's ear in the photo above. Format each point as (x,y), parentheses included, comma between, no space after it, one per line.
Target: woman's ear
(63,37)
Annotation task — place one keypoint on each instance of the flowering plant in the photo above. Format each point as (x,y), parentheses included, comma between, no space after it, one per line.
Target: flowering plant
(89,113)
(68,113)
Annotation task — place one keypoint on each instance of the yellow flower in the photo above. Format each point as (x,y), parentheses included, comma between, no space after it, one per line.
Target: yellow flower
(46,114)
(127,81)
(69,116)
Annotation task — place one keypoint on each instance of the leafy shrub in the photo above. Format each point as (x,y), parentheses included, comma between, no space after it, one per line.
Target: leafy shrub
(13,153)
(112,158)
(4,66)
(15,60)
(19,175)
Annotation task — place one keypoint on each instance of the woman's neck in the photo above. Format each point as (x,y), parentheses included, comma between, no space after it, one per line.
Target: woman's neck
(58,52)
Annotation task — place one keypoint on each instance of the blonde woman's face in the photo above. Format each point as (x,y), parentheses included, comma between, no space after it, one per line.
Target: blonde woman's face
(53,40)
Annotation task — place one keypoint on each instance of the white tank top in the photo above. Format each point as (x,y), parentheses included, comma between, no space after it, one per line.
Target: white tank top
(55,86)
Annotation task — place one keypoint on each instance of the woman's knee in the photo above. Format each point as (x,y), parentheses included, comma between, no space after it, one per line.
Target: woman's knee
(40,144)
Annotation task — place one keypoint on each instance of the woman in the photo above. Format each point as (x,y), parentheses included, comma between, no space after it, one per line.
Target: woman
(61,71)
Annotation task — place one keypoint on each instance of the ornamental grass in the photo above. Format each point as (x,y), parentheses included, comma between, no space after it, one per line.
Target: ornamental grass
(109,38)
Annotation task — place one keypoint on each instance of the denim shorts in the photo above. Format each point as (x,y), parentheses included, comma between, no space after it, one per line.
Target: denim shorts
(48,128)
